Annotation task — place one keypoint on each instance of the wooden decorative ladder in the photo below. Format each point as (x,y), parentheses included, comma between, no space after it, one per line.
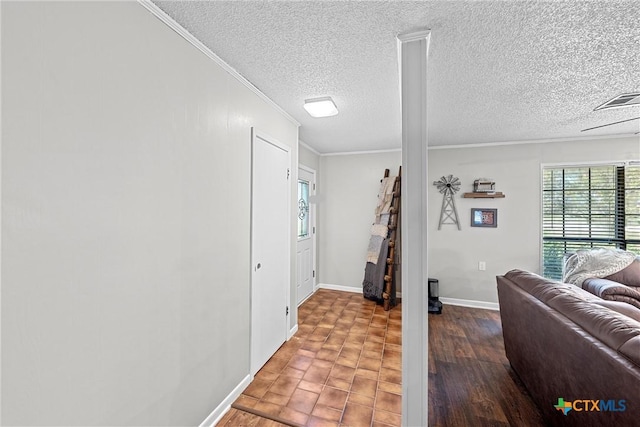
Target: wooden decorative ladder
(390,279)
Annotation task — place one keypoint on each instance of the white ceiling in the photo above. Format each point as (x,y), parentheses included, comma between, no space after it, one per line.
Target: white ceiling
(498,71)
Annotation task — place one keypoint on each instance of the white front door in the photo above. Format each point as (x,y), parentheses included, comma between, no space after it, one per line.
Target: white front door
(306,233)
(270,248)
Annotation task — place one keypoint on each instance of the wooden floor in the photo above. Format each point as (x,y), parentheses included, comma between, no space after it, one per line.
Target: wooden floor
(470,380)
(343,368)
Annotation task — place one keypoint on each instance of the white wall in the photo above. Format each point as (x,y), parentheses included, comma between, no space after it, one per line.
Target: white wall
(349,187)
(308,158)
(125,208)
(516,242)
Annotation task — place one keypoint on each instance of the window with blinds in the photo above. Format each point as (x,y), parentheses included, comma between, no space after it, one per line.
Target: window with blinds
(586,207)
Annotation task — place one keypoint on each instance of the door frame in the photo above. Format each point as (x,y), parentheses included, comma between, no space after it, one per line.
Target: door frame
(255,136)
(312,208)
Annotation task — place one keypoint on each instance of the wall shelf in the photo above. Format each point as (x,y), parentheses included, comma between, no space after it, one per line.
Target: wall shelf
(496,195)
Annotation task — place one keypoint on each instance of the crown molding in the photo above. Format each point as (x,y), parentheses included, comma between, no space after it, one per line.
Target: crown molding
(532,141)
(310,148)
(180,30)
(351,153)
(479,145)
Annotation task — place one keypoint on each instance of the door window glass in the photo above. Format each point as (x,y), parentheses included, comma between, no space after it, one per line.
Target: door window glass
(303,208)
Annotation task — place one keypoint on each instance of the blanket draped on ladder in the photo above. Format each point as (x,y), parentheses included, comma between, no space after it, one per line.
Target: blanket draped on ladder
(373,283)
(380,227)
(378,249)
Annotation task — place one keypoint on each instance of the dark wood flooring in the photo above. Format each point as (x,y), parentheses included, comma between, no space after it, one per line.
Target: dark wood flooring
(470,380)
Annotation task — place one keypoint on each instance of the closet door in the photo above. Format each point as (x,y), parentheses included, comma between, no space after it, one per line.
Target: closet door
(270,247)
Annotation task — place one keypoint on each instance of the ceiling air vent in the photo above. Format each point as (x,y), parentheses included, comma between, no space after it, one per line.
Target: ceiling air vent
(624,100)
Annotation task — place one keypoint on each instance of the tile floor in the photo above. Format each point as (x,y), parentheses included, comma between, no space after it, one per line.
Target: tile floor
(342,368)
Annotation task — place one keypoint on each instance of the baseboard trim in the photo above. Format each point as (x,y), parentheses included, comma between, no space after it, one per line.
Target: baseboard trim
(339,288)
(217,414)
(293,331)
(315,288)
(471,303)
(332,287)
(345,289)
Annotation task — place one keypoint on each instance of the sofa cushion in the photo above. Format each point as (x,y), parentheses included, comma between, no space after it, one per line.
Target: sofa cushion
(629,275)
(610,327)
(623,308)
(546,289)
(631,350)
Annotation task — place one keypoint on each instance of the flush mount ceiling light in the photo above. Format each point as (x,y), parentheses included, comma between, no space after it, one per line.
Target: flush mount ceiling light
(320,107)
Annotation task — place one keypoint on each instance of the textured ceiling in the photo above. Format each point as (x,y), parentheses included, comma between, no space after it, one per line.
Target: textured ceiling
(498,71)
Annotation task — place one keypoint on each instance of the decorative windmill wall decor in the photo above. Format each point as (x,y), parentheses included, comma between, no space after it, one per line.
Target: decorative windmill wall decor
(448,186)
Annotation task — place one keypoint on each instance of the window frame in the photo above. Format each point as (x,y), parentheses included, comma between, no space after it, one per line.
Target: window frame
(620,205)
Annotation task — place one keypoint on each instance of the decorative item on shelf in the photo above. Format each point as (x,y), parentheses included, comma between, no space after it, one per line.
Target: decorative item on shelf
(448,186)
(484,188)
(484,185)
(484,217)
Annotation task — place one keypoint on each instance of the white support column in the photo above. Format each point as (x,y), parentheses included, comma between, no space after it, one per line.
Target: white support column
(413,49)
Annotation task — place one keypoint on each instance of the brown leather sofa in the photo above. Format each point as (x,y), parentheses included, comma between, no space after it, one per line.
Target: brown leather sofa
(564,342)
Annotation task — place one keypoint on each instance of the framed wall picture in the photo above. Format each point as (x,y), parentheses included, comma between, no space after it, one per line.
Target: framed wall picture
(484,217)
